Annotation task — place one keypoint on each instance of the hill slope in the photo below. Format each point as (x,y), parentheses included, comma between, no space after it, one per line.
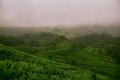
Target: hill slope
(18,65)
(95,56)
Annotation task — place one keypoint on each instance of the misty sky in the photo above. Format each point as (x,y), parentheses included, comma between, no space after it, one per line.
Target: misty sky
(58,12)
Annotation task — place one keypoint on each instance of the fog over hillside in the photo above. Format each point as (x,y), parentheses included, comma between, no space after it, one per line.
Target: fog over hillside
(59,12)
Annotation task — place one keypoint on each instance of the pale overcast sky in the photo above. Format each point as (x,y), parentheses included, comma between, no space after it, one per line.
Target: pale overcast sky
(58,12)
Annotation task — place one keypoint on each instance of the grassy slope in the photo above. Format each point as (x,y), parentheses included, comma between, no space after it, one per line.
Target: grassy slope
(86,58)
(84,53)
(90,57)
(15,64)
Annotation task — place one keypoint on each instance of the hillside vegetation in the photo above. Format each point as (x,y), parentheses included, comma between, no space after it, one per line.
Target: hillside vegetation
(15,64)
(51,56)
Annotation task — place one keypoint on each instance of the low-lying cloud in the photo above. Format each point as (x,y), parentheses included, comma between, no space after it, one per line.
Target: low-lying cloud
(58,12)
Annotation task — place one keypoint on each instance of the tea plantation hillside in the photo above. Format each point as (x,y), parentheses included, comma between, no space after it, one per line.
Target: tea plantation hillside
(48,56)
(15,64)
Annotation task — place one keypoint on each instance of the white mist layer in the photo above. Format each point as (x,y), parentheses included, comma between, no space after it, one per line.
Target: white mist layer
(59,12)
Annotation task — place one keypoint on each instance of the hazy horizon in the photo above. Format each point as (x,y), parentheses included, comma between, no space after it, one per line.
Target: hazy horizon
(59,12)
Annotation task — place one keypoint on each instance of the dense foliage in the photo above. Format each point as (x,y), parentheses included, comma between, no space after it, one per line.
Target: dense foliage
(48,56)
